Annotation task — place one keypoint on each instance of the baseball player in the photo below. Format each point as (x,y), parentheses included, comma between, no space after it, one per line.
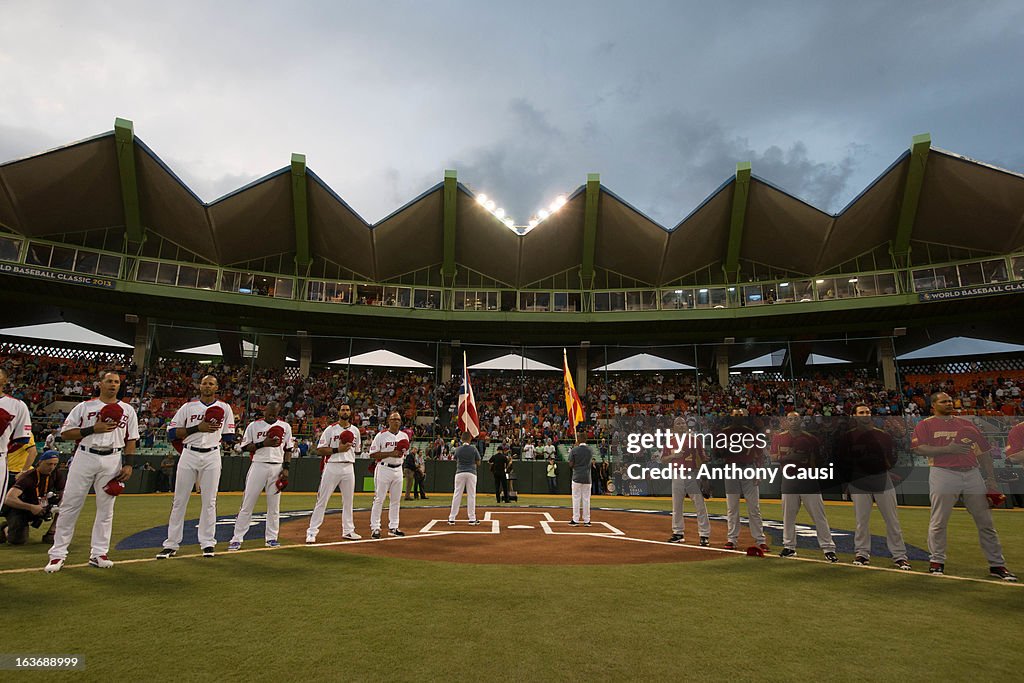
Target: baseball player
(269,440)
(1015,444)
(749,489)
(338,446)
(467,459)
(15,428)
(690,456)
(106,431)
(802,450)
(197,429)
(865,455)
(388,450)
(960,465)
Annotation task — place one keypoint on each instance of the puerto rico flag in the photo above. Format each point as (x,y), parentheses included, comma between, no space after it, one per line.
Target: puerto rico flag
(468,420)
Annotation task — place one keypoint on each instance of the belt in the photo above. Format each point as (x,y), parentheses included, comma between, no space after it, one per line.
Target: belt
(109,451)
(200,450)
(391,466)
(958,469)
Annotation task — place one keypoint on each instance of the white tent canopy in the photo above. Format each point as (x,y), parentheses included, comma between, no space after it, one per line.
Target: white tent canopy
(768,360)
(380,358)
(961,346)
(643,361)
(64,332)
(249,350)
(513,361)
(818,359)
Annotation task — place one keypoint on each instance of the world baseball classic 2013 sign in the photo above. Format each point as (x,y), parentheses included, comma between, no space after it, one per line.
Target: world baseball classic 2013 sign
(55,275)
(969,292)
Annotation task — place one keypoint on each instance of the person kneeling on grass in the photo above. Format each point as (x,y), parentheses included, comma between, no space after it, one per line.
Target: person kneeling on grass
(32,500)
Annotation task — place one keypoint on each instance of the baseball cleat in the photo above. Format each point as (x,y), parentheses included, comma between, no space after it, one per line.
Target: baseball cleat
(100,562)
(54,565)
(1002,573)
(353,536)
(831,557)
(903,564)
(861,561)
(729,545)
(676,538)
(208,551)
(375,533)
(573,523)
(936,568)
(451,522)
(310,539)
(273,544)
(705,541)
(234,545)
(787,552)
(396,532)
(474,522)
(586,523)
(166,554)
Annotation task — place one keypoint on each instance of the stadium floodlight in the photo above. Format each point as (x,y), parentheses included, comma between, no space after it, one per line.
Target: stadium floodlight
(481,199)
(533,222)
(509,222)
(490,205)
(820,282)
(558,203)
(679,291)
(703,291)
(500,213)
(542,214)
(783,284)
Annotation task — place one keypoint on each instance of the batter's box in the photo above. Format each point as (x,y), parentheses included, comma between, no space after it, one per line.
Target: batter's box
(581,530)
(488,526)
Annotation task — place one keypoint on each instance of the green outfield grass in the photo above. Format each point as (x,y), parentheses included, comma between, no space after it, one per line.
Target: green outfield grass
(316,614)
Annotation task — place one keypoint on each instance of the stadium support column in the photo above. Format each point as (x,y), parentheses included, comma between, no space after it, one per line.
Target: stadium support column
(300,209)
(731,264)
(271,352)
(911,194)
(581,368)
(887,357)
(142,340)
(305,355)
(590,216)
(446,364)
(722,364)
(448,270)
(124,135)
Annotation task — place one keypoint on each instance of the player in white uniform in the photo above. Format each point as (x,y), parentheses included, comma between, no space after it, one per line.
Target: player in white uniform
(15,429)
(338,444)
(200,426)
(106,431)
(270,442)
(388,449)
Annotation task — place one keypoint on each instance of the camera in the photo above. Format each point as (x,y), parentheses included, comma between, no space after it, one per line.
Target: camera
(49,510)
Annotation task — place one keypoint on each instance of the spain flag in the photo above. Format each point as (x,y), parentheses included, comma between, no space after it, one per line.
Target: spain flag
(573,405)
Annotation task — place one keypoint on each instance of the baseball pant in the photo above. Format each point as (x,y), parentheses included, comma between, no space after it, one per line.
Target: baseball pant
(464,481)
(580,500)
(816,508)
(945,486)
(387,481)
(886,502)
(340,476)
(408,476)
(260,477)
(192,467)
(751,492)
(87,470)
(689,487)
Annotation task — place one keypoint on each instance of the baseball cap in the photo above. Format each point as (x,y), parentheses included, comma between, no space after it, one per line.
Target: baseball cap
(49,455)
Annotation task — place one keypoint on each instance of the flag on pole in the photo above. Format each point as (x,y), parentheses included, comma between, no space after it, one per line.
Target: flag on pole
(468,421)
(573,405)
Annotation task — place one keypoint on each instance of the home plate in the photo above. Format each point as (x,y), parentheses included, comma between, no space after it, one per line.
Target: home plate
(521,526)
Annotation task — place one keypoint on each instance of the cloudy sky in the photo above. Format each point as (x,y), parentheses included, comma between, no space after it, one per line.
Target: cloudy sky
(522,98)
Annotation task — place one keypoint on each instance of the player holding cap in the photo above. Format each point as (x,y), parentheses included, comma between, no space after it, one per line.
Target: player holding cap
(388,450)
(338,446)
(269,440)
(15,428)
(106,431)
(690,456)
(956,451)
(197,430)
(747,488)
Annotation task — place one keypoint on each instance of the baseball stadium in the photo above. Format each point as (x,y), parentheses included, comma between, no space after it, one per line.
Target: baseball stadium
(551,350)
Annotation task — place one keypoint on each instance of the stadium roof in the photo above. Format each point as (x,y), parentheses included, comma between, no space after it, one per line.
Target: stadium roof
(115,183)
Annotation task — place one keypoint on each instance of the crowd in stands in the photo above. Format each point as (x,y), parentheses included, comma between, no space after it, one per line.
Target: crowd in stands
(514,408)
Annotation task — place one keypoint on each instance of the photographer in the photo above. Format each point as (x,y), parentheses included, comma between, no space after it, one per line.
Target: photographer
(31,499)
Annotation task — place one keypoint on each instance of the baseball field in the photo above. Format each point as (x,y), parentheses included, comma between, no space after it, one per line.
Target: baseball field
(457,606)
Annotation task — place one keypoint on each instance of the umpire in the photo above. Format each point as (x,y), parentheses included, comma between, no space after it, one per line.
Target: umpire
(30,499)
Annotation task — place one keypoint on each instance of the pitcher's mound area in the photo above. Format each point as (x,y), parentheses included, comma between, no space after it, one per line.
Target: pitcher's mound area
(529,536)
